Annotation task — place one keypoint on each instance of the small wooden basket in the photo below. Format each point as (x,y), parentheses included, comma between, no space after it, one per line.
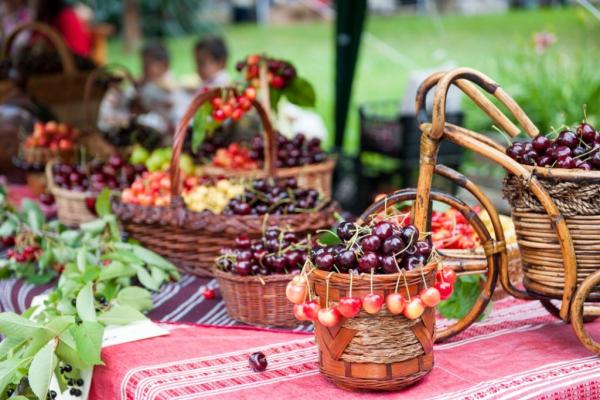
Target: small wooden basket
(257,300)
(578,200)
(375,352)
(192,240)
(71,205)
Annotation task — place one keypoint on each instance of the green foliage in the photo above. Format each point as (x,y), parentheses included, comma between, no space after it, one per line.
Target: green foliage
(466,291)
(299,92)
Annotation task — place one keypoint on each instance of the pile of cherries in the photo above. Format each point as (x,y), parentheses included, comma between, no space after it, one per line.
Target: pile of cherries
(266,197)
(570,150)
(279,73)
(384,247)
(276,252)
(115,173)
(290,152)
(233,107)
(235,157)
(26,254)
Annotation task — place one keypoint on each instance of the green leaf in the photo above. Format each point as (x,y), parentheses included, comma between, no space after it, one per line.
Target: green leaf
(274,97)
(124,256)
(70,237)
(7,228)
(13,325)
(41,370)
(88,340)
(95,227)
(145,278)
(10,344)
(300,92)
(46,258)
(8,369)
(82,259)
(116,269)
(115,233)
(158,274)
(103,203)
(91,273)
(35,216)
(67,350)
(150,257)
(121,315)
(41,279)
(85,304)
(199,125)
(135,297)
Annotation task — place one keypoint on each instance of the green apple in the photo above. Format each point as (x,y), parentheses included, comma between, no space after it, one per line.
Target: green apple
(139,155)
(186,163)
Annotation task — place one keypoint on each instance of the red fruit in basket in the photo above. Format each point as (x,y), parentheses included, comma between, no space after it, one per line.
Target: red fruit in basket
(395,303)
(295,291)
(243,268)
(595,160)
(8,241)
(565,162)
(46,199)
(208,294)
(329,317)
(540,144)
(250,93)
(349,306)
(346,230)
(409,235)
(370,243)
(424,248)
(393,245)
(237,114)
(258,362)
(293,258)
(242,242)
(369,261)
(445,289)
(383,230)
(218,115)
(567,138)
(311,310)
(372,303)
(414,309)
(299,312)
(430,297)
(587,132)
(345,260)
(90,203)
(324,261)
(389,264)
(448,275)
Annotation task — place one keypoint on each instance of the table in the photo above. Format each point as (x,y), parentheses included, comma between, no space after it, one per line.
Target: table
(518,352)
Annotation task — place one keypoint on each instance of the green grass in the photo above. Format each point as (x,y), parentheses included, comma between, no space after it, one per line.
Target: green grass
(418,42)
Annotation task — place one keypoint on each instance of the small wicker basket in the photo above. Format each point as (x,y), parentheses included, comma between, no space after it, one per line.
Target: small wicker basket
(192,240)
(71,205)
(257,300)
(375,352)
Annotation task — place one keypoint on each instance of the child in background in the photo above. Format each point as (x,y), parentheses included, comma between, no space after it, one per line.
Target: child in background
(211,61)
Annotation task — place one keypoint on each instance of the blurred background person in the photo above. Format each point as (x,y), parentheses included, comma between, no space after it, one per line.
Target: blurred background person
(211,57)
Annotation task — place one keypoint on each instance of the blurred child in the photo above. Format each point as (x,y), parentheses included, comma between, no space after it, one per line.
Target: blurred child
(211,61)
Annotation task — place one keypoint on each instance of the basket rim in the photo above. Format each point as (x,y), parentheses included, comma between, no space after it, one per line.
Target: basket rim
(337,277)
(562,173)
(326,165)
(219,274)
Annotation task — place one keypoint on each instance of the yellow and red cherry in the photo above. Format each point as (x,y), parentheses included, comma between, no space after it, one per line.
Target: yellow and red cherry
(329,317)
(299,312)
(414,309)
(449,275)
(349,306)
(430,297)
(295,290)
(395,303)
(311,310)
(445,289)
(372,303)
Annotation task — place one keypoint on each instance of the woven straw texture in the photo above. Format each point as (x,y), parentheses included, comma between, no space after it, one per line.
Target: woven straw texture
(375,352)
(543,266)
(70,204)
(257,300)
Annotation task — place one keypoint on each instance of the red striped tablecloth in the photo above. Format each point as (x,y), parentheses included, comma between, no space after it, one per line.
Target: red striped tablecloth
(518,352)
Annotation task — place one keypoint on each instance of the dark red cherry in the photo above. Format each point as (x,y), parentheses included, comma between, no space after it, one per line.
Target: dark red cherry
(243,268)
(346,230)
(540,144)
(412,262)
(424,248)
(367,262)
(345,259)
(324,261)
(563,151)
(370,243)
(577,151)
(244,255)
(565,162)
(595,160)
(586,166)
(567,138)
(292,258)
(242,242)
(392,245)
(389,264)
(545,161)
(409,234)
(586,132)
(258,362)
(383,230)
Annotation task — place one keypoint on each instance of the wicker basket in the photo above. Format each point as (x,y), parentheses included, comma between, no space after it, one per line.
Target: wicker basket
(71,205)
(579,203)
(61,92)
(193,240)
(375,352)
(257,300)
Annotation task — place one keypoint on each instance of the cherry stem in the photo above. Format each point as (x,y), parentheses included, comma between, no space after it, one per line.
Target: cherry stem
(350,295)
(372,272)
(406,285)
(327,290)
(422,275)
(397,284)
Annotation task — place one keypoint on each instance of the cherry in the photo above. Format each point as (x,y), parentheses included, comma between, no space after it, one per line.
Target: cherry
(395,303)
(245,255)
(272,233)
(409,234)
(595,160)
(208,294)
(368,262)
(545,161)
(329,317)
(446,275)
(430,297)
(565,162)
(324,261)
(299,312)
(311,310)
(218,115)
(277,263)
(586,132)
(567,138)
(345,260)
(242,242)
(424,248)
(243,268)
(393,244)
(370,243)
(295,290)
(445,289)
(372,303)
(383,230)
(414,309)
(578,151)
(411,262)
(349,307)
(346,230)
(293,258)
(389,264)
(586,166)
(258,362)
(540,144)
(563,151)
(90,203)
(290,237)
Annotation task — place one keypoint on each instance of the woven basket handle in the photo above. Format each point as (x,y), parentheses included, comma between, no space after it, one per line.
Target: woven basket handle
(463,78)
(182,128)
(66,58)
(89,87)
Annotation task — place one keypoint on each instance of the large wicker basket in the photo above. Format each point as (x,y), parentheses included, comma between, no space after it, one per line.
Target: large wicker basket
(61,92)
(192,240)
(71,205)
(375,352)
(257,300)
(578,200)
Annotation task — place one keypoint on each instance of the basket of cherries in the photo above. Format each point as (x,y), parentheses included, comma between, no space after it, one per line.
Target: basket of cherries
(378,284)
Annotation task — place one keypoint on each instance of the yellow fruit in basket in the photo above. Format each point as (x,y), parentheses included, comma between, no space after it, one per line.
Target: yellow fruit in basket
(186,163)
